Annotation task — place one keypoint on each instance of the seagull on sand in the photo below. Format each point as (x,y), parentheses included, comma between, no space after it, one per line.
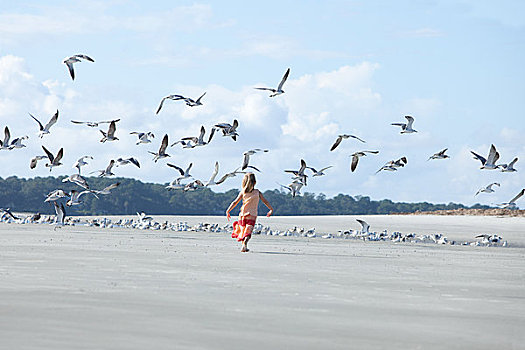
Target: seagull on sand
(125,161)
(95,124)
(69,61)
(344,136)
(184,173)
(508,168)
(394,164)
(143,136)
(439,155)
(318,172)
(5,143)
(110,135)
(106,172)
(229,129)
(77,179)
(279,90)
(45,129)
(487,189)
(81,162)
(199,141)
(490,162)
(512,203)
(107,190)
(53,161)
(355,158)
(35,160)
(247,154)
(162,150)
(60,214)
(406,128)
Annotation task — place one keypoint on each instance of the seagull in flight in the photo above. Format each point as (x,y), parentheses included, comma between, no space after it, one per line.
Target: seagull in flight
(439,155)
(294,187)
(74,197)
(299,174)
(17,142)
(69,61)
(247,154)
(199,141)
(5,143)
(344,136)
(53,161)
(508,168)
(487,189)
(318,172)
(394,164)
(162,150)
(81,162)
(229,129)
(512,203)
(35,160)
(110,135)
(45,129)
(77,179)
(189,101)
(490,162)
(406,128)
(106,172)
(143,136)
(184,173)
(94,124)
(126,161)
(279,90)
(355,158)
(107,190)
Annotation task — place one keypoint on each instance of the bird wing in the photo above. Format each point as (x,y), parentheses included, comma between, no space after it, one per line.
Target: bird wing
(511,164)
(263,88)
(364,225)
(328,167)
(212,132)
(285,76)
(164,144)
(176,167)
(187,172)
(112,186)
(199,99)
(111,129)
(59,156)
(357,138)
(214,174)
(493,155)
(303,166)
(39,124)
(49,154)
(7,136)
(69,65)
(110,166)
(160,106)
(134,161)
(52,121)
(410,120)
(245,161)
(355,160)
(443,152)
(478,157)
(78,122)
(235,124)
(513,200)
(86,57)
(336,143)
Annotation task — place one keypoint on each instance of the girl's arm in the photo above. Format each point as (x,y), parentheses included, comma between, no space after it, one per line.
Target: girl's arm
(233,204)
(266,203)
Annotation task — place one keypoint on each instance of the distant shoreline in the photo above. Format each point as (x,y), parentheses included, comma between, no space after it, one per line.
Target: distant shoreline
(470,212)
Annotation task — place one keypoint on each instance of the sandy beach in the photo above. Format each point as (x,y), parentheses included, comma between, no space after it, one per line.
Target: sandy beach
(91,288)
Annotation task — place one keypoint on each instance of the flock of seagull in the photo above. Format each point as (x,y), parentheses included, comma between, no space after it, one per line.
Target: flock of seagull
(186,181)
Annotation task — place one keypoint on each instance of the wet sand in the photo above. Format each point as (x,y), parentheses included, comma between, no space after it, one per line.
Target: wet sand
(91,288)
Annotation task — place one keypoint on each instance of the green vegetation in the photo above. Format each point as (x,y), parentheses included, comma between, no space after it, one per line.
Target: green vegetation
(27,195)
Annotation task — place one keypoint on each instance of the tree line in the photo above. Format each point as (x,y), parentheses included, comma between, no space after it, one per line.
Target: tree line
(27,195)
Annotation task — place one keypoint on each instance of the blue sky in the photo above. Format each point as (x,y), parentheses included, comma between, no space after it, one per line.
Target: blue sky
(356,67)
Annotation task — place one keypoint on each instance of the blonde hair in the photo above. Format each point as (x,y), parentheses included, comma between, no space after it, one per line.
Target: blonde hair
(248,182)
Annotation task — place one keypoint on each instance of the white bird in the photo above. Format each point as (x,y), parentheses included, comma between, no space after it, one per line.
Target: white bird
(175,185)
(53,161)
(74,197)
(512,203)
(344,136)
(5,143)
(189,101)
(319,172)
(162,149)
(143,136)
(247,154)
(199,141)
(439,155)
(487,189)
(279,90)
(55,195)
(69,61)
(106,172)
(169,97)
(95,124)
(365,227)
(355,158)
(77,179)
(45,129)
(229,129)
(107,190)
(17,142)
(294,187)
(490,162)
(81,162)
(192,186)
(394,164)
(211,181)
(299,174)
(406,128)
(125,161)
(233,174)
(143,217)
(35,160)
(184,173)
(110,135)
(508,168)
(60,214)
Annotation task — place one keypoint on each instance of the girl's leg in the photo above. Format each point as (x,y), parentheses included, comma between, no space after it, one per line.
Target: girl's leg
(248,233)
